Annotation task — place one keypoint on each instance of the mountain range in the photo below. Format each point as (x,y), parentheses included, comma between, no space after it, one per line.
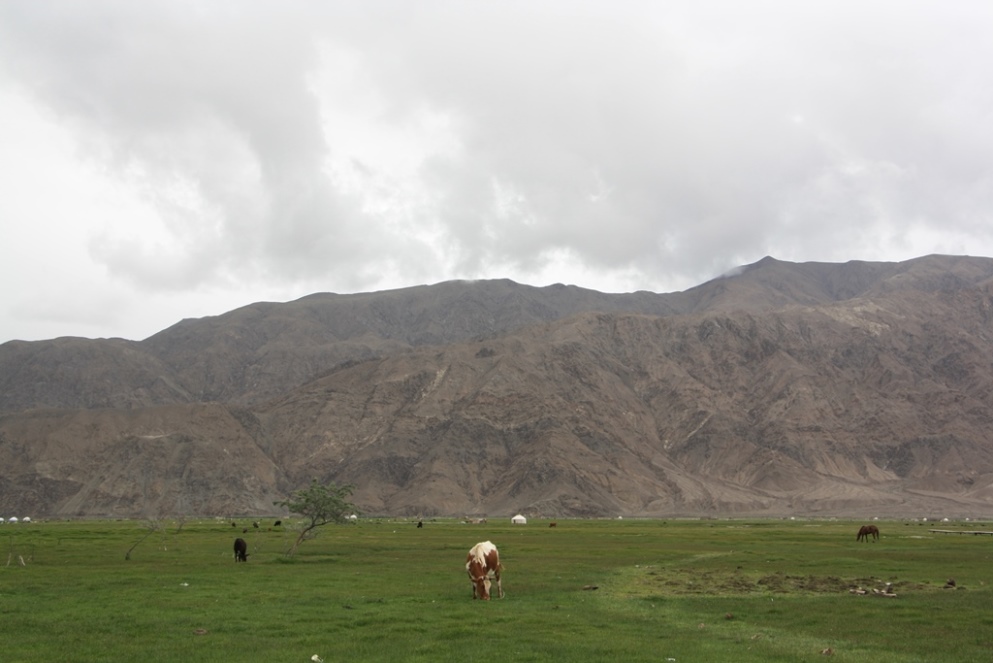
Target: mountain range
(850,389)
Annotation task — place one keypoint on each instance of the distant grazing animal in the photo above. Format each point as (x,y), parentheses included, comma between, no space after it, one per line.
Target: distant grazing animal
(866,531)
(255,524)
(420,523)
(483,561)
(552,524)
(277,523)
(240,550)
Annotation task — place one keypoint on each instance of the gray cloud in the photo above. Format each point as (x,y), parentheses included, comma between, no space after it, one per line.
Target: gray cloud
(638,145)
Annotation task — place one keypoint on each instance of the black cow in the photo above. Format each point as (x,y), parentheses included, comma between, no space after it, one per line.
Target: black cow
(240,550)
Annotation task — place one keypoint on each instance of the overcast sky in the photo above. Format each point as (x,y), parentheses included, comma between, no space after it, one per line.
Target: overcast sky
(166,159)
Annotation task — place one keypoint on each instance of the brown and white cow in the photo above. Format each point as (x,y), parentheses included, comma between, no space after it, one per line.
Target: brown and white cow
(483,561)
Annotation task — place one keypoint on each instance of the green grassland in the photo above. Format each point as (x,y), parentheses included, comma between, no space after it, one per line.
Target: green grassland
(385,590)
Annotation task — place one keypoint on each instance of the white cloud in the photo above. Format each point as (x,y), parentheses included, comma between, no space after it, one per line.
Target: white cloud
(169,160)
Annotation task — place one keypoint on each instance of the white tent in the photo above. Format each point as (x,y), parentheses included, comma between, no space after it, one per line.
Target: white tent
(519,520)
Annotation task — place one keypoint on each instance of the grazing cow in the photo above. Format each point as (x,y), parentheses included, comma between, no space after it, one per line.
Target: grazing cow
(277,523)
(552,524)
(866,531)
(240,550)
(420,523)
(255,524)
(482,561)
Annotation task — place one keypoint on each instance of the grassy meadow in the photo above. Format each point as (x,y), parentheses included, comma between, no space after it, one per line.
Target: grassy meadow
(384,590)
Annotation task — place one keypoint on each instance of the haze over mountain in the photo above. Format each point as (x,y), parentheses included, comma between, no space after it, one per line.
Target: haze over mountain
(780,388)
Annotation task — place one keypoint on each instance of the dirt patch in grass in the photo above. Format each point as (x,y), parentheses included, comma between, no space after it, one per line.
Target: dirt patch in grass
(689,582)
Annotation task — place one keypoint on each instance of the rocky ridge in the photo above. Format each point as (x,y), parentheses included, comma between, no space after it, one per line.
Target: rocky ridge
(779,389)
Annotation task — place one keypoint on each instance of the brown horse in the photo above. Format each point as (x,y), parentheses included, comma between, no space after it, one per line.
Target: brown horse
(866,531)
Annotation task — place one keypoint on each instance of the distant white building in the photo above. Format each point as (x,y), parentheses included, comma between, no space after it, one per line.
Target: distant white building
(519,520)
(12,520)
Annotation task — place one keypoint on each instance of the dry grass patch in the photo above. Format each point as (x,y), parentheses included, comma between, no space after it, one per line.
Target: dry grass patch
(688,581)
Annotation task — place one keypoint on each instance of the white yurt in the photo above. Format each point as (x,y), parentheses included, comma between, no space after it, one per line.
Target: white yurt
(12,520)
(519,520)
(26,519)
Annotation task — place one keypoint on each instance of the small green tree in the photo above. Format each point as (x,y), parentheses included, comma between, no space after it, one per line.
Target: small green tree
(319,505)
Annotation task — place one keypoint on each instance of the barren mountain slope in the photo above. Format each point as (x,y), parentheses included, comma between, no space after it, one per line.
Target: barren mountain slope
(261,351)
(849,406)
(84,373)
(783,388)
(180,459)
(772,285)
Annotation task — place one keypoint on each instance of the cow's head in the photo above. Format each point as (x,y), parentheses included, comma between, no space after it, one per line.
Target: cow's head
(481,588)
(480,580)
